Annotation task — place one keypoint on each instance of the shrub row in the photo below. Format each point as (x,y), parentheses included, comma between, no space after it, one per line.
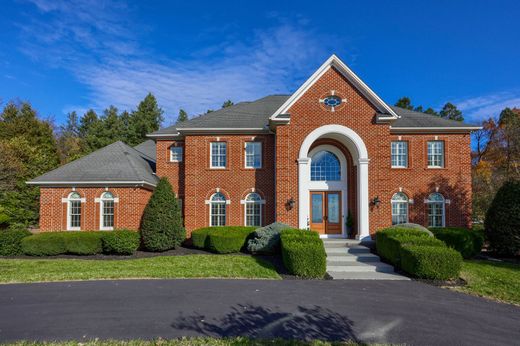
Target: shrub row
(121,242)
(468,243)
(11,242)
(303,253)
(224,239)
(418,254)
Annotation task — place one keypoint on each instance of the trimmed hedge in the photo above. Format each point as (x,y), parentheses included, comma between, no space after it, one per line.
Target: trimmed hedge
(303,253)
(44,244)
(431,262)
(83,243)
(468,242)
(223,239)
(390,240)
(121,242)
(11,242)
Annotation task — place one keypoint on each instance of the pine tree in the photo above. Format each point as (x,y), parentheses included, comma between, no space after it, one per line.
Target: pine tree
(450,111)
(146,119)
(183,116)
(404,102)
(227,103)
(162,226)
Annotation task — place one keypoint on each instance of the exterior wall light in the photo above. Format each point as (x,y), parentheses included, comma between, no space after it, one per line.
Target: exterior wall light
(376,201)
(290,203)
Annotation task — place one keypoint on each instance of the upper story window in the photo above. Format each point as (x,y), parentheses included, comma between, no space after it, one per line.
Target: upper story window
(399,153)
(399,208)
(107,211)
(176,154)
(217,210)
(325,166)
(435,154)
(436,210)
(218,155)
(253,152)
(74,212)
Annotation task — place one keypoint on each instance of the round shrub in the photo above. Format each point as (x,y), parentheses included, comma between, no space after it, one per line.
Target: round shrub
(468,243)
(502,223)
(44,244)
(11,242)
(431,262)
(412,226)
(266,240)
(228,240)
(121,242)
(162,226)
(82,243)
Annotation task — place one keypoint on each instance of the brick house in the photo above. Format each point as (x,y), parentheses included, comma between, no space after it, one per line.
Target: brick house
(331,149)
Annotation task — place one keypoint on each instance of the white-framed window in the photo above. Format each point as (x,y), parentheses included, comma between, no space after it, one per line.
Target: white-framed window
(436,154)
(399,153)
(325,166)
(217,210)
(176,154)
(399,208)
(74,212)
(218,154)
(436,210)
(253,209)
(107,211)
(253,152)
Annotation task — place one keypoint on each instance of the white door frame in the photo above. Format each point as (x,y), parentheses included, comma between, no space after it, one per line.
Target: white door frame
(353,142)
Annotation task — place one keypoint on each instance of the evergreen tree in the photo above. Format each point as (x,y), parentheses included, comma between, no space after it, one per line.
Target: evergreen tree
(227,103)
(431,111)
(404,102)
(450,111)
(69,141)
(146,119)
(183,116)
(162,226)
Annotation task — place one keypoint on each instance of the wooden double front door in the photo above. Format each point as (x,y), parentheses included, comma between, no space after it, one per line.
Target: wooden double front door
(326,212)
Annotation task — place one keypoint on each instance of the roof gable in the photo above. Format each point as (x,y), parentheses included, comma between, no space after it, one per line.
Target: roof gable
(386,112)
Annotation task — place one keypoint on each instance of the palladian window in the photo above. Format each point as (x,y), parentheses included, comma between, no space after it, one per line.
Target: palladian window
(399,208)
(217,210)
(107,211)
(74,212)
(436,210)
(253,210)
(325,166)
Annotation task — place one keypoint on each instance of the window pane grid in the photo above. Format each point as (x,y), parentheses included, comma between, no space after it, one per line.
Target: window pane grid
(218,154)
(253,214)
(435,214)
(436,154)
(75,214)
(217,210)
(399,151)
(176,154)
(399,212)
(253,155)
(325,166)
(108,214)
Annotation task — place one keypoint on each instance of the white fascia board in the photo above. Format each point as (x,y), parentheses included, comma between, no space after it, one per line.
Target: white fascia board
(225,130)
(434,129)
(334,61)
(90,183)
(164,135)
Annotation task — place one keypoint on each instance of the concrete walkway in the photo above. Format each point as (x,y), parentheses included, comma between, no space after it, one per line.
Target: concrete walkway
(348,259)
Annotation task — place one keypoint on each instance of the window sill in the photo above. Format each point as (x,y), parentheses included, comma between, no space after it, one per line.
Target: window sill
(397,167)
(435,167)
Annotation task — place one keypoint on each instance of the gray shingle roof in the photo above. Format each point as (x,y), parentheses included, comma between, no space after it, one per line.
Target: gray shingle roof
(147,148)
(256,114)
(116,162)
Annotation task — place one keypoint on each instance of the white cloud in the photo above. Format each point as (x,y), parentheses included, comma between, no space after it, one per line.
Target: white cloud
(103,54)
(478,108)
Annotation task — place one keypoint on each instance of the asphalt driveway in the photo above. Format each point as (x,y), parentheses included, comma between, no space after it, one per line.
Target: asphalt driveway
(371,311)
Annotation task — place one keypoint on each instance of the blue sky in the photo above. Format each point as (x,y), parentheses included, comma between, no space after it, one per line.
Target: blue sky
(74,55)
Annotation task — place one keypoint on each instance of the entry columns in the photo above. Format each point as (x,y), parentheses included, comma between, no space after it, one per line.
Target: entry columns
(303,192)
(362,198)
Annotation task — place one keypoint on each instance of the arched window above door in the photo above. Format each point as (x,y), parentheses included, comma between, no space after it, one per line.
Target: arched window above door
(325,166)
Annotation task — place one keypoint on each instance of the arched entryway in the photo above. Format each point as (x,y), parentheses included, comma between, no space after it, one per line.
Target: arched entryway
(333,192)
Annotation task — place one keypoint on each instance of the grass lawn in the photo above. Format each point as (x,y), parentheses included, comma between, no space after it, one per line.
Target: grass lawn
(190,342)
(163,267)
(495,280)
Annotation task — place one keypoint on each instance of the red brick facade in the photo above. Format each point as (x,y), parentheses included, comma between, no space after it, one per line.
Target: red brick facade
(277,181)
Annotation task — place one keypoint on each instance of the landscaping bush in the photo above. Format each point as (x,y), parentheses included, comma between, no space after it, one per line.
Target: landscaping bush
(303,254)
(413,226)
(58,243)
(298,233)
(431,262)
(502,223)
(11,242)
(162,226)
(266,239)
(121,242)
(468,243)
(44,244)
(390,240)
(228,239)
(199,237)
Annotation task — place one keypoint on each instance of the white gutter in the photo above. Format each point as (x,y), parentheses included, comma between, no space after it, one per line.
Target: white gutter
(435,129)
(82,183)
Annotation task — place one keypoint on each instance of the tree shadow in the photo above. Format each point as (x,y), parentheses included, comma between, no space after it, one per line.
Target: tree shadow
(258,322)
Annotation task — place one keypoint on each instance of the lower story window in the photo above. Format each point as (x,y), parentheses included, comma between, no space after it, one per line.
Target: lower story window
(75,214)
(107,211)
(399,208)
(436,210)
(253,206)
(217,210)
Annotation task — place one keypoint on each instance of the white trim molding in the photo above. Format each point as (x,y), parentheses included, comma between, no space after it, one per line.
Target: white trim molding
(464,129)
(91,183)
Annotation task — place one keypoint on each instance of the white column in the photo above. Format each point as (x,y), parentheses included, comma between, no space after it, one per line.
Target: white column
(303,191)
(363,202)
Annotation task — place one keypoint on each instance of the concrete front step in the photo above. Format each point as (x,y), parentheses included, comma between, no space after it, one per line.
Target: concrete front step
(349,267)
(353,258)
(339,242)
(349,250)
(366,276)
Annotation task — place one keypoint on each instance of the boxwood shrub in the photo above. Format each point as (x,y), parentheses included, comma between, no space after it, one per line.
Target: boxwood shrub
(199,237)
(431,262)
(228,239)
(303,253)
(58,243)
(120,242)
(467,242)
(83,243)
(11,242)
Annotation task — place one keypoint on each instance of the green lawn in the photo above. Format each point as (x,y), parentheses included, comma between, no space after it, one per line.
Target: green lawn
(239,341)
(165,267)
(495,280)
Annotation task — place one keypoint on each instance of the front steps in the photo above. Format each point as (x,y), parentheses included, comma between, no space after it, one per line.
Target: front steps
(348,259)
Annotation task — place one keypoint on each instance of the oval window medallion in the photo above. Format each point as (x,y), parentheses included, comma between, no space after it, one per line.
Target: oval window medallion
(332,101)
